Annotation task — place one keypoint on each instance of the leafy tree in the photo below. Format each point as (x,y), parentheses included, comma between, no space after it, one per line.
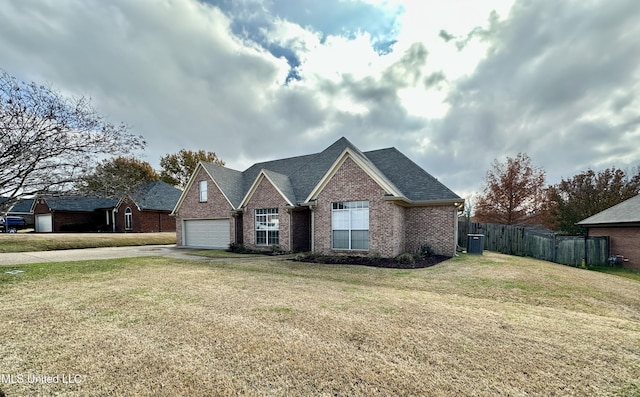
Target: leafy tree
(513,193)
(48,141)
(178,167)
(117,176)
(586,194)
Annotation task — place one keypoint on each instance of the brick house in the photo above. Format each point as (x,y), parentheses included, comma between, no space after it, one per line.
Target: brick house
(338,201)
(146,209)
(622,224)
(71,213)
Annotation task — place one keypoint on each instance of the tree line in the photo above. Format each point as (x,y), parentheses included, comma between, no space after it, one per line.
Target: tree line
(116,176)
(515,193)
(51,144)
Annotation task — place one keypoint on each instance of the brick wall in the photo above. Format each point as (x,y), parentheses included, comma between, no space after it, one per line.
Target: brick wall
(266,196)
(434,226)
(71,221)
(41,208)
(623,241)
(144,221)
(216,206)
(393,229)
(351,183)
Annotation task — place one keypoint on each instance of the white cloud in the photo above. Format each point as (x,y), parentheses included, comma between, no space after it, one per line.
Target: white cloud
(555,80)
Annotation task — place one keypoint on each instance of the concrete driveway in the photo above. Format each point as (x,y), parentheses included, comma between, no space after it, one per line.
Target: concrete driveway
(20,258)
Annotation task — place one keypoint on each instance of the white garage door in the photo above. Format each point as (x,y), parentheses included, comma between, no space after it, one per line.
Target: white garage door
(207,233)
(44,223)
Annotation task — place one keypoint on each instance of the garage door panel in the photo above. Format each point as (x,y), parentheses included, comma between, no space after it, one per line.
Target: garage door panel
(44,223)
(208,233)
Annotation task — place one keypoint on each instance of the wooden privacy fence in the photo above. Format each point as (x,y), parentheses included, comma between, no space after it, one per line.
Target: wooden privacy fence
(523,241)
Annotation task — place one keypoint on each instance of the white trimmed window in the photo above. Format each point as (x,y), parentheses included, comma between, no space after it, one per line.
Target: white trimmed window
(128,218)
(350,225)
(267,226)
(203,191)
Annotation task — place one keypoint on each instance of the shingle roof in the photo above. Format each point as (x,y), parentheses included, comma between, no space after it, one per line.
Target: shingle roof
(21,206)
(297,176)
(230,182)
(626,212)
(156,196)
(283,183)
(79,204)
(416,183)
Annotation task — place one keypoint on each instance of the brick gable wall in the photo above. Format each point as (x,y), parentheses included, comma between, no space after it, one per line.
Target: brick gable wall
(623,241)
(266,196)
(351,183)
(216,206)
(393,229)
(144,221)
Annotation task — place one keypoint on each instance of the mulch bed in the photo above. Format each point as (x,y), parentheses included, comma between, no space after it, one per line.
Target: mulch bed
(367,261)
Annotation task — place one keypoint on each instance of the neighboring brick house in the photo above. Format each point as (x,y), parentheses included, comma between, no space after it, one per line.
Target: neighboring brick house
(622,224)
(72,213)
(338,201)
(146,209)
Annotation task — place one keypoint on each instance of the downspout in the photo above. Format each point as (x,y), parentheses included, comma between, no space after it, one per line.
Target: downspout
(455,230)
(312,232)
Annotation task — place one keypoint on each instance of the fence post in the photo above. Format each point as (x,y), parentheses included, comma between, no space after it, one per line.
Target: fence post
(586,251)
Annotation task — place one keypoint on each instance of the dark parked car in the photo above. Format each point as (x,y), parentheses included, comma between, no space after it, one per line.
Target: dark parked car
(12,223)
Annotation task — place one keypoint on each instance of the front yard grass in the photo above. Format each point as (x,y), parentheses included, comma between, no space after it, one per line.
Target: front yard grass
(27,242)
(473,325)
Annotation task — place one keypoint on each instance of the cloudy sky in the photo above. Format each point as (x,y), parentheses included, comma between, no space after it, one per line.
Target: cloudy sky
(452,84)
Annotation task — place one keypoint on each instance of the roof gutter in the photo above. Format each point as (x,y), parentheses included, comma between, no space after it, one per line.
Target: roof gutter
(404,201)
(609,224)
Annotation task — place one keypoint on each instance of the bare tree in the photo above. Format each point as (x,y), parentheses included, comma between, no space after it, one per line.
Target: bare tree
(48,141)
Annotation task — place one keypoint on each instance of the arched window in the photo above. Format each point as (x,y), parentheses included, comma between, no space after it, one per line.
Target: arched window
(128,216)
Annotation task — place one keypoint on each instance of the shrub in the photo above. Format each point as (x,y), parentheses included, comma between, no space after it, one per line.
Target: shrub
(375,258)
(236,248)
(426,251)
(406,259)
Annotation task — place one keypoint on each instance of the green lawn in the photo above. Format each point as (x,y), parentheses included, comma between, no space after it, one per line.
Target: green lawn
(473,325)
(619,271)
(27,242)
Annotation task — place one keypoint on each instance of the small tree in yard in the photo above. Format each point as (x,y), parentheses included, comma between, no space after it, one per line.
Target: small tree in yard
(513,193)
(178,167)
(48,141)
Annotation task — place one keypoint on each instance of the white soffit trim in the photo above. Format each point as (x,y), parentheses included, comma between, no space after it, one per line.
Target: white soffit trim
(262,175)
(365,165)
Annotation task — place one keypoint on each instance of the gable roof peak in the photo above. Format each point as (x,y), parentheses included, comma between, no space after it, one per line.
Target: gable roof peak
(156,195)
